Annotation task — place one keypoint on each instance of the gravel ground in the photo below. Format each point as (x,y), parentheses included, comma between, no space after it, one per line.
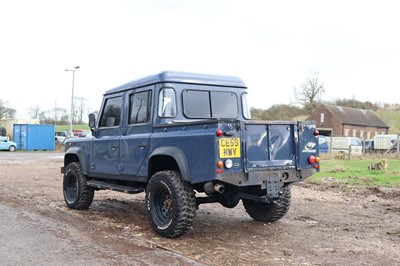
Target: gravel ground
(327,224)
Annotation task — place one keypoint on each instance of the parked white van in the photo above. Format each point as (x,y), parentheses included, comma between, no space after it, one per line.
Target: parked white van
(383,142)
(343,144)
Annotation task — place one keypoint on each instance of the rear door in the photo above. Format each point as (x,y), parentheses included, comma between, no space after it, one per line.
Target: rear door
(135,139)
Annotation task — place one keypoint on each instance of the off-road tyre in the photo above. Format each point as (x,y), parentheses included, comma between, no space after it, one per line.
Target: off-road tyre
(170,204)
(77,194)
(269,212)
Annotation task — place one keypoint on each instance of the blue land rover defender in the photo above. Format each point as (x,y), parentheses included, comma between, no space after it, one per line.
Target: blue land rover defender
(187,139)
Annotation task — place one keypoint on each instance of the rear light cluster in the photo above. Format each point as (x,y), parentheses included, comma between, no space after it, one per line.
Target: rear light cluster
(314,160)
(228,163)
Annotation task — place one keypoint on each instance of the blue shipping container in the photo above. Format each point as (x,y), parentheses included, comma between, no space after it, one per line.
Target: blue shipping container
(34,137)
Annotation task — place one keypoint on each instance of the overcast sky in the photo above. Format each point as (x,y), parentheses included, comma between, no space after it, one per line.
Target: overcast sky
(271,45)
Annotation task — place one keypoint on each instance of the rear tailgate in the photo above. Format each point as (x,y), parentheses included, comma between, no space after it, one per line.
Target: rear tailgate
(278,145)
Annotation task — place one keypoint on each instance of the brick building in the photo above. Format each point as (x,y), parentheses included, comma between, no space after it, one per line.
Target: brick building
(338,121)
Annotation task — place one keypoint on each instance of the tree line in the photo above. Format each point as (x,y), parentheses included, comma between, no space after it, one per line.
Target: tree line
(293,112)
(56,115)
(61,116)
(307,98)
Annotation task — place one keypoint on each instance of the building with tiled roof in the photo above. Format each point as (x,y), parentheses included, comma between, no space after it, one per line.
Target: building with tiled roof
(341,121)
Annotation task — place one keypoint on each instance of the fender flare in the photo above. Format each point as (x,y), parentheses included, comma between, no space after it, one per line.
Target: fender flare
(179,157)
(78,152)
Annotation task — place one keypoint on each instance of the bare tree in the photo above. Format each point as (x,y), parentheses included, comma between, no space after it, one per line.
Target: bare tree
(80,108)
(5,111)
(309,93)
(34,111)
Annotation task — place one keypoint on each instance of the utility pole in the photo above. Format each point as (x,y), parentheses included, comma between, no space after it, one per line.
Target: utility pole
(72,98)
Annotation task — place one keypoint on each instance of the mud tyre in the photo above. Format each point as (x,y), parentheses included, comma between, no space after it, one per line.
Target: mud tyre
(170,204)
(269,212)
(77,194)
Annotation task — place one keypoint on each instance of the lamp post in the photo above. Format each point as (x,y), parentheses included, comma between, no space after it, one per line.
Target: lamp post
(72,98)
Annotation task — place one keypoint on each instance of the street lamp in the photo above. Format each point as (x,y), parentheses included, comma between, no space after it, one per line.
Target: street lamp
(72,97)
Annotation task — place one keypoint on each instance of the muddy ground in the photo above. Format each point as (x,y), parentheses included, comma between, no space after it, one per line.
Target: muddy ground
(327,224)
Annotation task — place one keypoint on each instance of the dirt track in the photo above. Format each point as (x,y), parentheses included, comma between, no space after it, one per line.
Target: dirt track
(326,225)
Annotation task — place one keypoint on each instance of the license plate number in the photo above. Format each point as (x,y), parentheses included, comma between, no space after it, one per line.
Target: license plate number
(229,148)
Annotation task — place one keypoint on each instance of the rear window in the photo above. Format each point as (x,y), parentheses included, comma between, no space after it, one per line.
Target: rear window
(206,104)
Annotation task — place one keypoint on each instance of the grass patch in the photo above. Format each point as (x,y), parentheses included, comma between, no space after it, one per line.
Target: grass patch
(66,127)
(356,172)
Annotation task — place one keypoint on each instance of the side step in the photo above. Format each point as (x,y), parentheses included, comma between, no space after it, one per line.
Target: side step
(114,187)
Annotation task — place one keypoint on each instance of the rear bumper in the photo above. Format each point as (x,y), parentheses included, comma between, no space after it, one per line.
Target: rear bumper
(262,178)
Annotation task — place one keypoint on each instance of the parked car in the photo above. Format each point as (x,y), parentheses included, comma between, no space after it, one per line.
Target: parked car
(342,145)
(323,144)
(60,136)
(82,133)
(7,145)
(367,145)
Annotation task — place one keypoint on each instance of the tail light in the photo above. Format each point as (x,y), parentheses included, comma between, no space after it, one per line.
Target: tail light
(314,160)
(316,133)
(219,132)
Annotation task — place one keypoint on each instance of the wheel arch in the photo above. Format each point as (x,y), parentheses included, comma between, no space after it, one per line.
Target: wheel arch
(75,154)
(169,158)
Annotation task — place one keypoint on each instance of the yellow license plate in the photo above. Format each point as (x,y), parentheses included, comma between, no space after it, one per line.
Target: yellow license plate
(229,148)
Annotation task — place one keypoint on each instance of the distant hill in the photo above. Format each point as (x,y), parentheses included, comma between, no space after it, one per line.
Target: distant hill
(392,119)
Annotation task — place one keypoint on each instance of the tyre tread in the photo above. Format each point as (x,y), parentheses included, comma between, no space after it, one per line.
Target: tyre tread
(269,212)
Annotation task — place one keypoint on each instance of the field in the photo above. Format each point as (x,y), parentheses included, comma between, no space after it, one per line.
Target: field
(392,119)
(357,172)
(66,127)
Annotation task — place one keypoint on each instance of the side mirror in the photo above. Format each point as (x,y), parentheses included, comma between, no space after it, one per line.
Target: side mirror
(92,122)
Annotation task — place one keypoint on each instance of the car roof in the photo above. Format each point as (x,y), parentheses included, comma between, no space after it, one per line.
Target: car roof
(181,77)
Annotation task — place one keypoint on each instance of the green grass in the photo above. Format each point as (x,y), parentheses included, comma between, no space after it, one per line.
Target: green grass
(392,119)
(356,172)
(66,127)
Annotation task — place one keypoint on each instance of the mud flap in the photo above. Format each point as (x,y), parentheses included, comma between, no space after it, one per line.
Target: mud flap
(273,188)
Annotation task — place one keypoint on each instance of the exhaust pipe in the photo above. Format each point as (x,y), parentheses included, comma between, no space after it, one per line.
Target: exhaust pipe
(210,188)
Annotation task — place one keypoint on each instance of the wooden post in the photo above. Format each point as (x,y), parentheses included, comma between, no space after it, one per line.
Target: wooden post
(349,151)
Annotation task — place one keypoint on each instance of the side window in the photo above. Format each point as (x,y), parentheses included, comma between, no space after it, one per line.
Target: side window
(206,104)
(111,115)
(224,104)
(245,107)
(167,103)
(140,107)
(196,104)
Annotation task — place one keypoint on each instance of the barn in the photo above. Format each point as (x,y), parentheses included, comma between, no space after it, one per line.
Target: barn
(338,121)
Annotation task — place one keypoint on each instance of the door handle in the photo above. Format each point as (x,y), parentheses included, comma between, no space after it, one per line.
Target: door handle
(142,145)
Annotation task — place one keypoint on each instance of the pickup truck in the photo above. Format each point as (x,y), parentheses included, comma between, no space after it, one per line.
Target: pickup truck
(186,139)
